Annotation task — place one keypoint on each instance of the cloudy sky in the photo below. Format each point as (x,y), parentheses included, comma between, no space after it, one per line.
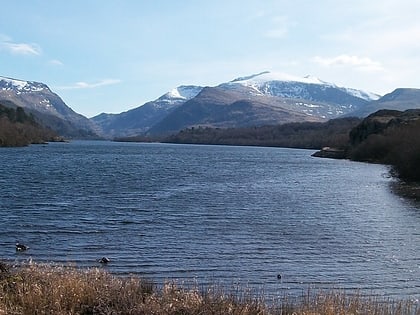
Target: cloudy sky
(111,56)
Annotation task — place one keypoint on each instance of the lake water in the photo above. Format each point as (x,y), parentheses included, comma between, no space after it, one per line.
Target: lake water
(211,214)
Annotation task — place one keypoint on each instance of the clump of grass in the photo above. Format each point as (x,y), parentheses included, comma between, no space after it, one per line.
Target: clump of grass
(49,289)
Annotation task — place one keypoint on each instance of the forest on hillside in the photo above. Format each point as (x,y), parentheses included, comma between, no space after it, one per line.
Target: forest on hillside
(17,128)
(306,135)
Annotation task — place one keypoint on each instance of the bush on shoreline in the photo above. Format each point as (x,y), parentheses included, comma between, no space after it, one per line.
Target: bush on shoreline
(398,145)
(48,289)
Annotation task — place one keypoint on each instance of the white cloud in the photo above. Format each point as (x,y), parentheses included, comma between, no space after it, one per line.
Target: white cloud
(85,85)
(20,48)
(55,62)
(360,63)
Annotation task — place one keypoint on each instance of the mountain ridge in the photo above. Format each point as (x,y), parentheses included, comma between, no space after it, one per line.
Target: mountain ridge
(47,106)
(263,79)
(400,99)
(140,119)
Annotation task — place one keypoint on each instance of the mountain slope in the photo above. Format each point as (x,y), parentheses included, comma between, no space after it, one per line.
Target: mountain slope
(220,107)
(320,98)
(141,119)
(400,99)
(46,106)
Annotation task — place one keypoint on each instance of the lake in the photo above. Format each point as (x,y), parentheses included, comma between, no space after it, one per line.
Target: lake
(236,216)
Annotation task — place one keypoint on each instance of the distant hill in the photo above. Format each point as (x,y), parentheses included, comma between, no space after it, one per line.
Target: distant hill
(17,128)
(255,100)
(47,107)
(400,99)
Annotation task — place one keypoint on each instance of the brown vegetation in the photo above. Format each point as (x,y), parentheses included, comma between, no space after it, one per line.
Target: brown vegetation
(46,289)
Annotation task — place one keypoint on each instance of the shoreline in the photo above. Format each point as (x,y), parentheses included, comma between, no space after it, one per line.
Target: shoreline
(406,190)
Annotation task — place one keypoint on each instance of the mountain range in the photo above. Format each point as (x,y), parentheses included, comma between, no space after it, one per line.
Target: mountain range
(255,100)
(260,99)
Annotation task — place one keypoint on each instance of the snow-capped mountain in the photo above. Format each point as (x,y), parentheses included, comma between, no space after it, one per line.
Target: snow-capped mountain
(219,107)
(141,119)
(309,95)
(46,106)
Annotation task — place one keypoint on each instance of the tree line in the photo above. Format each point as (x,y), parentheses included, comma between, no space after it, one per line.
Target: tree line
(306,135)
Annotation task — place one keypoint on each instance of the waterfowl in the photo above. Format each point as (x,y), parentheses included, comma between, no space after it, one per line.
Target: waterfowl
(279,276)
(104,260)
(20,247)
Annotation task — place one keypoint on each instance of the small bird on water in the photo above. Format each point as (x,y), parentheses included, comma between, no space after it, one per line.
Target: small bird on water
(104,260)
(20,247)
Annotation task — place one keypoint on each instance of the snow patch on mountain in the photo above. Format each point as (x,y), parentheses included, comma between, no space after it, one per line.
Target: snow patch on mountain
(183,92)
(12,83)
(362,94)
(266,76)
(8,84)
(285,85)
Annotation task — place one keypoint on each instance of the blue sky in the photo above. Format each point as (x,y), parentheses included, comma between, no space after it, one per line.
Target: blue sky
(111,56)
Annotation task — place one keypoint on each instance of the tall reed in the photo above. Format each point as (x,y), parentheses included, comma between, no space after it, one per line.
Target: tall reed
(50,289)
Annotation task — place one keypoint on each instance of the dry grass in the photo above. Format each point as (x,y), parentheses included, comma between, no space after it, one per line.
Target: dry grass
(47,289)
(340,303)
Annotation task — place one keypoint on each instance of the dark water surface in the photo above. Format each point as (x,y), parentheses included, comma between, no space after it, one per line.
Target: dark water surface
(214,214)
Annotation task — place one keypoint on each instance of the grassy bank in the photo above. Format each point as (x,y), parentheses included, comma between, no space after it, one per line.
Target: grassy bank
(47,289)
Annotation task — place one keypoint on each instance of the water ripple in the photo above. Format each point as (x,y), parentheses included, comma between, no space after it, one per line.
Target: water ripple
(212,214)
